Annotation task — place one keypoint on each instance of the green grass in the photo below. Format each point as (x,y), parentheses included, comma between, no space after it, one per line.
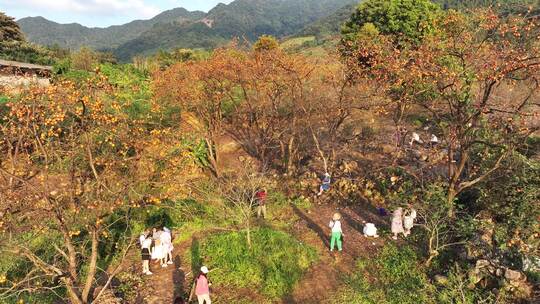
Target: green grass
(273,265)
(394,276)
(296,42)
(302,203)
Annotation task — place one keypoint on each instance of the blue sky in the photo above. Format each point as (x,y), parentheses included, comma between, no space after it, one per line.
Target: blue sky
(99,13)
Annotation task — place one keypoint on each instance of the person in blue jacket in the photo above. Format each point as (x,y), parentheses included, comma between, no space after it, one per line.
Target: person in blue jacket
(325,185)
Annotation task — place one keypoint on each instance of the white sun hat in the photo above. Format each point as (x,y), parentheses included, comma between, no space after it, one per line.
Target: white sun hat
(204,270)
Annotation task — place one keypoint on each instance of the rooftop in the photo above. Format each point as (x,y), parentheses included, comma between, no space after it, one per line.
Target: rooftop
(7,63)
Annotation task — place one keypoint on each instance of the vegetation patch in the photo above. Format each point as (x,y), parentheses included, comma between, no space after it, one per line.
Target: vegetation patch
(395,276)
(273,265)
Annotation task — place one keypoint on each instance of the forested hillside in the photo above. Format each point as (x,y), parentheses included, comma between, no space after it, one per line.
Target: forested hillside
(74,36)
(179,28)
(247,19)
(14,46)
(505,4)
(329,25)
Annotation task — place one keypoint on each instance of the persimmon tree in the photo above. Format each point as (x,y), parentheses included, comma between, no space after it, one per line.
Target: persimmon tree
(69,172)
(267,119)
(476,80)
(206,90)
(292,107)
(405,20)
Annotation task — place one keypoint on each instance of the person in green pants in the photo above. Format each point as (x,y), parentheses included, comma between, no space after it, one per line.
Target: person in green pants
(337,233)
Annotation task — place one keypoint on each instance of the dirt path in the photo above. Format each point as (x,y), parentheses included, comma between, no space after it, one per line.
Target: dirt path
(318,284)
(165,284)
(326,276)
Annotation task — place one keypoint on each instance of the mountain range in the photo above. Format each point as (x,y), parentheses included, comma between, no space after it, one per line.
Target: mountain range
(180,28)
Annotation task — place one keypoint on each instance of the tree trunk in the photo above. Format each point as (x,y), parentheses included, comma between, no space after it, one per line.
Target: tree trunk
(290,155)
(432,252)
(212,156)
(72,292)
(91,267)
(321,152)
(72,253)
(248,229)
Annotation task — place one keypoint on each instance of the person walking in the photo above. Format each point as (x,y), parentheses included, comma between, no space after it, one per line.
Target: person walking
(166,240)
(202,289)
(260,196)
(146,243)
(158,252)
(337,232)
(397,223)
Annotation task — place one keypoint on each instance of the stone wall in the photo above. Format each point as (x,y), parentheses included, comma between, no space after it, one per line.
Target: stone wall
(14,82)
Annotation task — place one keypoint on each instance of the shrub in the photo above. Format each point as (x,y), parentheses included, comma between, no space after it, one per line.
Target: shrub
(25,52)
(302,203)
(455,290)
(273,265)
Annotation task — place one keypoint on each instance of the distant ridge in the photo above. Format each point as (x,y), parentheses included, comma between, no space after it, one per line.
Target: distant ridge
(180,28)
(42,31)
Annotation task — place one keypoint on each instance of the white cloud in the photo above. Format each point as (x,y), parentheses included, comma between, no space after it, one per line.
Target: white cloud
(135,8)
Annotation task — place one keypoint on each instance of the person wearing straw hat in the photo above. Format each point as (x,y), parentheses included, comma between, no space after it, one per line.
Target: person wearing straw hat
(337,233)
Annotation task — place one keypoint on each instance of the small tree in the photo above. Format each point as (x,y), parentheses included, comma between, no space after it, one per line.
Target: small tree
(404,20)
(84,59)
(441,231)
(266,43)
(239,194)
(9,29)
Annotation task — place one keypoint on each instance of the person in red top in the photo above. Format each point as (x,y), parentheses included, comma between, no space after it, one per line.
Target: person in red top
(202,289)
(261,200)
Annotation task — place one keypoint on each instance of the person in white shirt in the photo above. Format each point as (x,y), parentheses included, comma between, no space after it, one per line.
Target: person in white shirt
(434,140)
(166,239)
(408,221)
(337,233)
(142,237)
(158,253)
(370,230)
(415,138)
(146,243)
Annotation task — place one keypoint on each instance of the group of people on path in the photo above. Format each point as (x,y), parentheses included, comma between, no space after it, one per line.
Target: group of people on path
(156,246)
(401,133)
(402,223)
